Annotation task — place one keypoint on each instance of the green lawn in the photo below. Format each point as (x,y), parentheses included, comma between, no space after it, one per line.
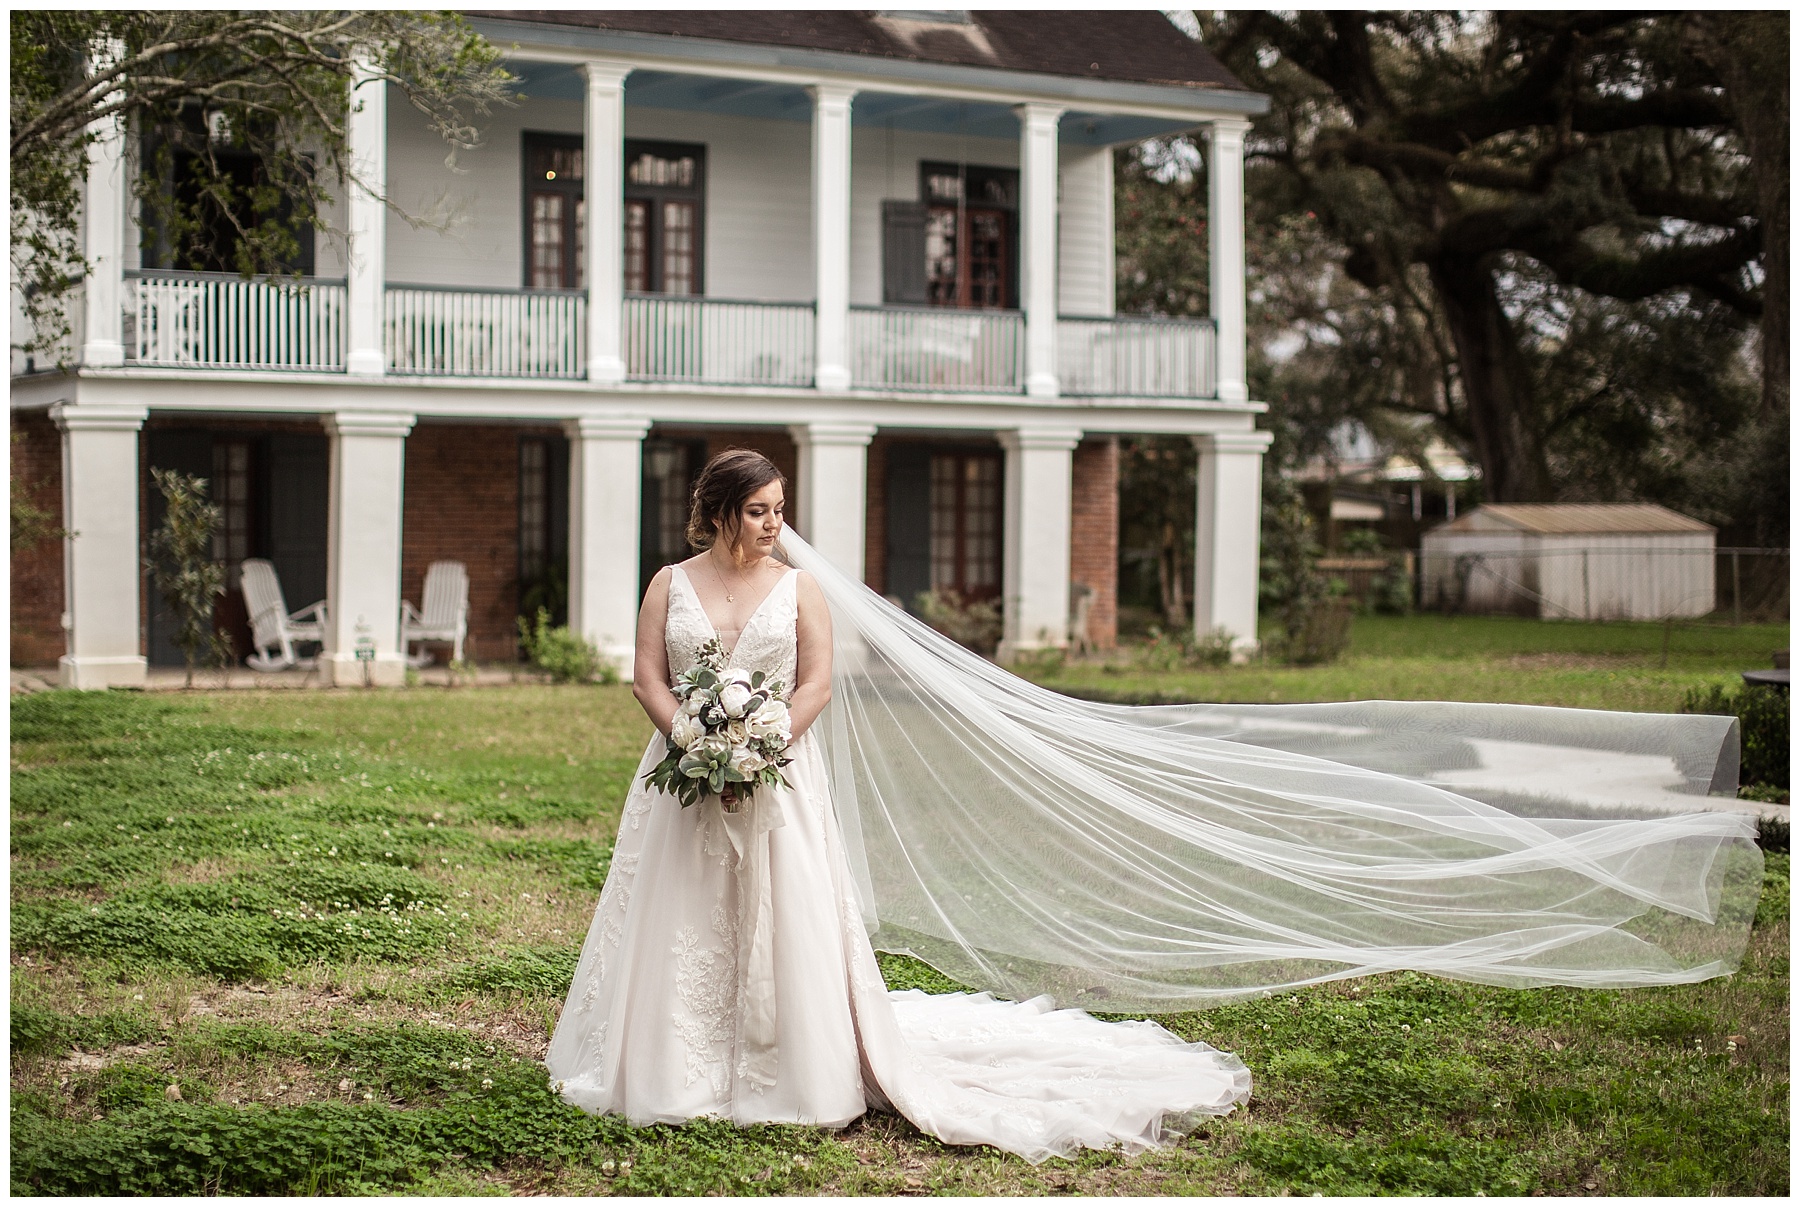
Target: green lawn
(1431,657)
(341,924)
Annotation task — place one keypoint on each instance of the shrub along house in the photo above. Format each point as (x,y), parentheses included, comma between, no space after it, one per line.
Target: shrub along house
(877,246)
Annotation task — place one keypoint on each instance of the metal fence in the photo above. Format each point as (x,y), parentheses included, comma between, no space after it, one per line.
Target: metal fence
(220,320)
(465,332)
(1614,582)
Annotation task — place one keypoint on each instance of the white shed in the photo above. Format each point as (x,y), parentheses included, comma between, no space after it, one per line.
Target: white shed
(1588,561)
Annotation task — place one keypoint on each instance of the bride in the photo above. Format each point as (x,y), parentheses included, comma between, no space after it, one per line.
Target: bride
(1055,851)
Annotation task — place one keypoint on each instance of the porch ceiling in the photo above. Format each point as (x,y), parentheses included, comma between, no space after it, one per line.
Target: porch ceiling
(785,102)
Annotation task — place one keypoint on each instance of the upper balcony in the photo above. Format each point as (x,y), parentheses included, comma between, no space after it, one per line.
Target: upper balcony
(795,226)
(197,320)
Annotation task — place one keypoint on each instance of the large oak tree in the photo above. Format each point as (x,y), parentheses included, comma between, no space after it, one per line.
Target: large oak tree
(1484,171)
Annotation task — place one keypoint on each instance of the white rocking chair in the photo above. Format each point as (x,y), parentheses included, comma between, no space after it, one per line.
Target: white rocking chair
(274,629)
(446,613)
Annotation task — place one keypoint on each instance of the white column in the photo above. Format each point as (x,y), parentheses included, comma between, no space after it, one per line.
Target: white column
(1035,547)
(362,568)
(104,245)
(604,168)
(101,571)
(831,232)
(1037,243)
(606,482)
(833,489)
(366,272)
(1225,219)
(1228,535)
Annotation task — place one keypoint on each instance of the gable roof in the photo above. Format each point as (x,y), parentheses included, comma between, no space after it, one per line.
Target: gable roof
(1130,45)
(1559,519)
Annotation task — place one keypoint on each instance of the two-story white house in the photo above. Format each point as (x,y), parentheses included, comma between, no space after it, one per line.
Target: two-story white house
(877,246)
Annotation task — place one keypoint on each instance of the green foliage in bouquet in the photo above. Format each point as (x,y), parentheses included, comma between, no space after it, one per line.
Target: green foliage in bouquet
(730,734)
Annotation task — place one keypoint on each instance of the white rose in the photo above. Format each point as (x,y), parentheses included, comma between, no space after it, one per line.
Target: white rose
(745,761)
(736,733)
(695,704)
(770,721)
(686,730)
(734,698)
(713,747)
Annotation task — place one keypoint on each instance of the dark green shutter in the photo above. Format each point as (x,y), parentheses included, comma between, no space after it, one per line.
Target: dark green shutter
(902,253)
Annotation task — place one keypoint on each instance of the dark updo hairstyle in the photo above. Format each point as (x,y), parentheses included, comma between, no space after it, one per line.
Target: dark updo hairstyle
(721,490)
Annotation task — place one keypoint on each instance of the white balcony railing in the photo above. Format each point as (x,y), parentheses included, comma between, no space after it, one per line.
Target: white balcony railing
(718,342)
(1134,357)
(935,348)
(222,321)
(464,332)
(219,320)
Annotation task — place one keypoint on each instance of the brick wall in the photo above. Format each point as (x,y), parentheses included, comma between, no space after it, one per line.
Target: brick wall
(1094,533)
(773,443)
(37,573)
(462,504)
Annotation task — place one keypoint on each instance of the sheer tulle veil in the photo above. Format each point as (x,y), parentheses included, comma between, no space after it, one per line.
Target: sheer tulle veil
(1172,857)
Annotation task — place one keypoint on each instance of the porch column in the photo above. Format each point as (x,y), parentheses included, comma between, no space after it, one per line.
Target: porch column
(362,567)
(101,572)
(1035,547)
(831,233)
(606,482)
(1037,244)
(103,340)
(1225,221)
(366,223)
(1228,535)
(604,166)
(833,489)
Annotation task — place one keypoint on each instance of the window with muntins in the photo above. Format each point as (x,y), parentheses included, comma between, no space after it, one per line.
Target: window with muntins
(664,212)
(664,217)
(970,236)
(965,523)
(554,212)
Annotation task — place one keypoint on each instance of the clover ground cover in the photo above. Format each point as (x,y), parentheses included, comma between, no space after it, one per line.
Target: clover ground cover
(340,926)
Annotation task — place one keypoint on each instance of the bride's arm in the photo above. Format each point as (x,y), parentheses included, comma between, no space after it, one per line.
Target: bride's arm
(650,669)
(812,686)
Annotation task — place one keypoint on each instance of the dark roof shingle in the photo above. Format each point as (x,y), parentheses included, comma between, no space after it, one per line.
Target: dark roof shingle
(1135,45)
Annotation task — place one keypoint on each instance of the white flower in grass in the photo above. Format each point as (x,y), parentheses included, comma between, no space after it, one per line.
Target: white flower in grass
(734,698)
(686,730)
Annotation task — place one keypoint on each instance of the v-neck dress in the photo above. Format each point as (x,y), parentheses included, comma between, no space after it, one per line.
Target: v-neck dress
(655,1023)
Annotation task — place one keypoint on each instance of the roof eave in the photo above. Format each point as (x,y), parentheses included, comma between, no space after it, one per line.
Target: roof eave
(1078,91)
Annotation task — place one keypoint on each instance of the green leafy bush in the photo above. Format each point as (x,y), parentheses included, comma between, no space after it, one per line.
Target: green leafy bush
(566,654)
(1180,649)
(974,624)
(1762,713)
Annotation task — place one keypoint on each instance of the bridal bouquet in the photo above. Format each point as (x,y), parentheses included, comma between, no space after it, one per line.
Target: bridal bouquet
(729,737)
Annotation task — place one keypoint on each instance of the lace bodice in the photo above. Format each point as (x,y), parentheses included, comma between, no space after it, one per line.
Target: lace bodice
(768,641)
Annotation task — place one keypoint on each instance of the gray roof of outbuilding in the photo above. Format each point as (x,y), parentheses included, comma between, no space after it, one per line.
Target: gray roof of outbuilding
(1568,518)
(1128,45)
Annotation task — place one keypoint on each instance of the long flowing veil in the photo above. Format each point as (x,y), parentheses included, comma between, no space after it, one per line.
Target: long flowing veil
(1165,858)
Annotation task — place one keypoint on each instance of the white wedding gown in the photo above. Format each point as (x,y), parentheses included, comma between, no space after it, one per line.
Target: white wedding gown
(711,926)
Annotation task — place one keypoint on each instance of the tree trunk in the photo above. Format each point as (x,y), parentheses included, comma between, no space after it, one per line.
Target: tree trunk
(1169,580)
(1749,51)
(1502,412)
